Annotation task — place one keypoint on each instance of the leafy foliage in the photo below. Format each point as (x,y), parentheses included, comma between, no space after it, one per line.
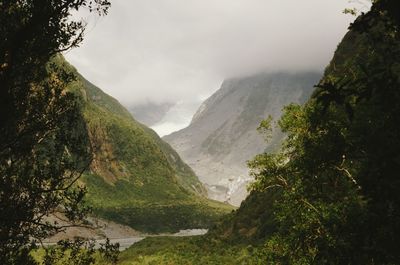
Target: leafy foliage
(44,147)
(190,250)
(78,251)
(41,164)
(337,172)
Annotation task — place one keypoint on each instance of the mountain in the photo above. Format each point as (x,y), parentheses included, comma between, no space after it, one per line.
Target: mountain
(150,113)
(136,178)
(223,133)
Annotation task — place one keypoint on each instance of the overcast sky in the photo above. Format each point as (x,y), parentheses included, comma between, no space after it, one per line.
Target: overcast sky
(181,50)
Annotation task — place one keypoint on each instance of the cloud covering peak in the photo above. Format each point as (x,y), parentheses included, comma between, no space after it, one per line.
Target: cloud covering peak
(181,50)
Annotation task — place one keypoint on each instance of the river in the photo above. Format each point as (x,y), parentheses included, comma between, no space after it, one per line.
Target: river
(125,243)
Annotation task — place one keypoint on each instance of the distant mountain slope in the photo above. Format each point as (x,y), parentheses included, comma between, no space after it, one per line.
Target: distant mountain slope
(135,177)
(222,135)
(150,113)
(370,117)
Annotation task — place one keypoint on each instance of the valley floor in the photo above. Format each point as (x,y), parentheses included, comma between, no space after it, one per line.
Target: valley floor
(189,250)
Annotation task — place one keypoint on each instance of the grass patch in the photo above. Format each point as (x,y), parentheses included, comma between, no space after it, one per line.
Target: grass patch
(189,250)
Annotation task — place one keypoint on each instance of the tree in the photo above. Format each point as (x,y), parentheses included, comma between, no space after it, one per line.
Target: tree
(44,144)
(338,170)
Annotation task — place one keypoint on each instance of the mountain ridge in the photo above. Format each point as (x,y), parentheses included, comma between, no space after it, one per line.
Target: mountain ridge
(135,178)
(222,135)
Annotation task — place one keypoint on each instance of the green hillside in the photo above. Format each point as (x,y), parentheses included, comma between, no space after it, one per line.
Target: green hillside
(135,178)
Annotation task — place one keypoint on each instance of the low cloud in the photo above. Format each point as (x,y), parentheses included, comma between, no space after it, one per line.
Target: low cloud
(181,50)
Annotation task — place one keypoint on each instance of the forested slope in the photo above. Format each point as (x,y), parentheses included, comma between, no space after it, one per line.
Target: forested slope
(135,178)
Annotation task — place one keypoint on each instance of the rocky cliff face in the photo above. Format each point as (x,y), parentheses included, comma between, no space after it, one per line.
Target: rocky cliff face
(223,133)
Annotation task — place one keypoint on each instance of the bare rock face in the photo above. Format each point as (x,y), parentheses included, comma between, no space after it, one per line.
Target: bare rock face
(223,133)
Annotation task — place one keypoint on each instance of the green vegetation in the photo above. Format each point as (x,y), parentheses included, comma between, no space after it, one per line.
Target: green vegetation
(335,181)
(330,195)
(44,141)
(78,251)
(239,239)
(154,209)
(136,178)
(189,250)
